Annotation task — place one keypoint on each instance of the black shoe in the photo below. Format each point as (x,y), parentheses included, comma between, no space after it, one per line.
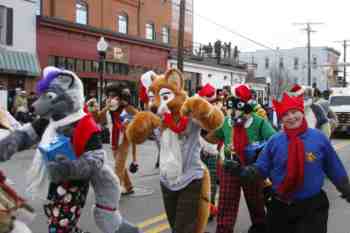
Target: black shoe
(257,228)
(157,165)
(128,192)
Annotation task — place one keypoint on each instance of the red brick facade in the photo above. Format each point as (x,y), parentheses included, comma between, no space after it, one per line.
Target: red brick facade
(56,39)
(103,14)
(63,42)
(73,47)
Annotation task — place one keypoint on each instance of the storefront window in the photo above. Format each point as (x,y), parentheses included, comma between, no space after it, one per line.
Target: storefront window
(79,65)
(124,69)
(71,64)
(116,68)
(109,68)
(88,65)
(61,63)
(52,61)
(95,66)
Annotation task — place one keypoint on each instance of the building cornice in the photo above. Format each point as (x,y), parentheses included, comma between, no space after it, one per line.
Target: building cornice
(133,3)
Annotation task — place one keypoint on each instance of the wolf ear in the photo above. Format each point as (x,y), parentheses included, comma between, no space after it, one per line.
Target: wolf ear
(65,80)
(175,78)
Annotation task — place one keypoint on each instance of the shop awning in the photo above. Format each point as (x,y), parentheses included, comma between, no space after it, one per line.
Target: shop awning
(21,63)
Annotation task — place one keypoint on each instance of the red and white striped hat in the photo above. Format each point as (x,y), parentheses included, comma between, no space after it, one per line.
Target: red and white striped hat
(296,90)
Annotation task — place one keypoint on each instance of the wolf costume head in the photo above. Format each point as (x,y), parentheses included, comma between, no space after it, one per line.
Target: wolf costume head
(61,93)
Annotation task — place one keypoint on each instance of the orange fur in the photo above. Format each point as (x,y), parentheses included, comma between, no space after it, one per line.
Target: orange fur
(142,126)
(201,111)
(204,204)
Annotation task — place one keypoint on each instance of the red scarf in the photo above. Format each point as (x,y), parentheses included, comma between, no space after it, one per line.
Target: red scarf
(82,133)
(294,178)
(117,127)
(240,141)
(179,127)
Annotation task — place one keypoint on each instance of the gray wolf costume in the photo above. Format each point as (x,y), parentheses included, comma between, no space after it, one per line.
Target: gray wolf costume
(66,181)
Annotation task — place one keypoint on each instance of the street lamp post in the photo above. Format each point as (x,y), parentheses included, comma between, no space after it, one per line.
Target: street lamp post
(268,82)
(102,47)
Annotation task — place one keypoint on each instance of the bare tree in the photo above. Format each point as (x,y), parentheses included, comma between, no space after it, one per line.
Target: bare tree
(281,80)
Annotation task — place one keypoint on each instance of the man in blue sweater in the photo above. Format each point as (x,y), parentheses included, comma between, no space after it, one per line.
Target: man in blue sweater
(297,160)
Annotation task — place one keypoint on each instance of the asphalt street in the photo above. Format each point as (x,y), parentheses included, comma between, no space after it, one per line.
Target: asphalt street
(145,207)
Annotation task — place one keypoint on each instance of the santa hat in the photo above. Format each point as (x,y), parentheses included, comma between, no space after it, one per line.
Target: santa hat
(146,81)
(288,103)
(297,90)
(208,92)
(243,92)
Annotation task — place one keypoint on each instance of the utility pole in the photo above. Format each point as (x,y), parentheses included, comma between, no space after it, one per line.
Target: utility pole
(308,29)
(345,44)
(181,36)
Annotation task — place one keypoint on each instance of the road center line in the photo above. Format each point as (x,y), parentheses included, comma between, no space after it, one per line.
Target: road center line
(153,220)
(159,228)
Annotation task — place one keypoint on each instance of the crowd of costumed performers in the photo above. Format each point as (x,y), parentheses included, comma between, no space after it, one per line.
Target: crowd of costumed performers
(210,148)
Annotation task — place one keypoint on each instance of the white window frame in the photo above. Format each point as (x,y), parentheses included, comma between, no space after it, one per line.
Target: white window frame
(123,23)
(81,7)
(150,35)
(296,63)
(3,23)
(267,63)
(165,35)
(314,62)
(281,63)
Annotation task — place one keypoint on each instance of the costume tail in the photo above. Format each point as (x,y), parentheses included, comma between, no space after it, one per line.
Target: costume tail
(204,204)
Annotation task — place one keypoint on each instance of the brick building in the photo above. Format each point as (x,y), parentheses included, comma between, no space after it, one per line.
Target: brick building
(155,20)
(140,34)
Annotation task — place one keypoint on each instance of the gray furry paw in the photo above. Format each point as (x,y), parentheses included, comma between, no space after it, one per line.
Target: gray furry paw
(57,171)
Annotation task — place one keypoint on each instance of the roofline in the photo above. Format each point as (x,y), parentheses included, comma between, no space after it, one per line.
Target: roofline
(210,66)
(330,49)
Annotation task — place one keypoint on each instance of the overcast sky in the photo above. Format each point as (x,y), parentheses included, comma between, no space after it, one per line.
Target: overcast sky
(271,22)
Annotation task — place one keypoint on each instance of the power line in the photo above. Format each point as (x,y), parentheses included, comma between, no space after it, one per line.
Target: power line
(227,28)
(254,41)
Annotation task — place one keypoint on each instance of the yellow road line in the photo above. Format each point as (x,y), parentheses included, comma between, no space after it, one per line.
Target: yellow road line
(153,220)
(159,228)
